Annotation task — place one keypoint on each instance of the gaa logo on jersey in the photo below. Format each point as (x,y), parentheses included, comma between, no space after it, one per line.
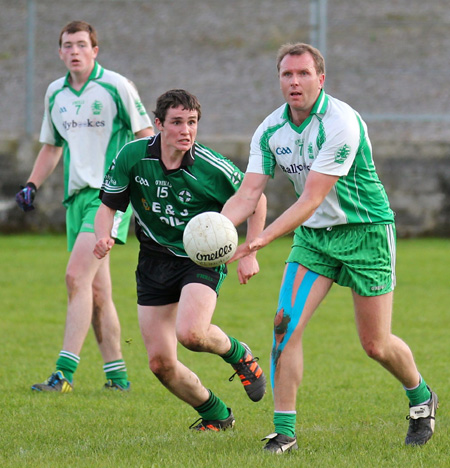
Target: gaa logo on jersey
(185,196)
(342,154)
(142,181)
(285,150)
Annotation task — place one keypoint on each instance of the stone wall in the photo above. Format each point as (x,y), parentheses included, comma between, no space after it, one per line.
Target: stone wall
(389,60)
(416,177)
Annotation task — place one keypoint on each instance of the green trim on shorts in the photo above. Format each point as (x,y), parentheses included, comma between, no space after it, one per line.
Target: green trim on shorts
(80,216)
(223,272)
(358,256)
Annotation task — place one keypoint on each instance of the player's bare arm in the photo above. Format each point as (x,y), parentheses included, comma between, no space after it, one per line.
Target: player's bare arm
(245,201)
(248,202)
(146,132)
(45,164)
(104,220)
(316,189)
(248,266)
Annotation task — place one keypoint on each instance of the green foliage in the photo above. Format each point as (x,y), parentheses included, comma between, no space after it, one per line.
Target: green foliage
(351,413)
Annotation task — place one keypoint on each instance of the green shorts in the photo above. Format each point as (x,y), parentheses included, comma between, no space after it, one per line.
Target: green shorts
(80,216)
(361,257)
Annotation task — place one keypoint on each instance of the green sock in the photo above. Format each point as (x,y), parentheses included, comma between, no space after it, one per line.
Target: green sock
(67,363)
(117,372)
(235,353)
(419,394)
(285,422)
(213,408)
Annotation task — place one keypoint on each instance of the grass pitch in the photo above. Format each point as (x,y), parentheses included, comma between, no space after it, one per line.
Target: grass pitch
(351,413)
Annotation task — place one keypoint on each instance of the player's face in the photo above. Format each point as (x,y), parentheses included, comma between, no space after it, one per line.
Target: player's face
(179,130)
(300,84)
(77,52)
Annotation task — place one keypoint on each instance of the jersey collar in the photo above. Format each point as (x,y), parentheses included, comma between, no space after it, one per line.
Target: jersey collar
(96,73)
(154,150)
(321,104)
(319,108)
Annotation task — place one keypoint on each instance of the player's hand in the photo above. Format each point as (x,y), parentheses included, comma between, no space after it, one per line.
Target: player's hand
(247,248)
(25,197)
(103,246)
(248,266)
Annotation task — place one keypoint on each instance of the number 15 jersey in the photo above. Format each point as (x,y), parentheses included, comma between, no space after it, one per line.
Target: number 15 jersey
(163,201)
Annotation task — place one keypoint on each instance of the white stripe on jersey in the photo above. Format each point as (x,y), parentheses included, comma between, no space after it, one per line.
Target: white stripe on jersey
(352,174)
(188,173)
(112,188)
(221,164)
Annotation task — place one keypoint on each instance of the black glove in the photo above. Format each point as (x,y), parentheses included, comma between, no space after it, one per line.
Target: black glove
(25,197)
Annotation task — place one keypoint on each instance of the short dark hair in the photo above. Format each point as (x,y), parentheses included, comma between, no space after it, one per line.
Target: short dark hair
(176,98)
(75,26)
(301,48)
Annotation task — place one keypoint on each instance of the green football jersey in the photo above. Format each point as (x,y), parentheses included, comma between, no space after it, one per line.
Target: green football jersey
(163,201)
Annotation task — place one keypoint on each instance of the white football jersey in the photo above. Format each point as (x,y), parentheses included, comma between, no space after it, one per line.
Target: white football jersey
(91,124)
(332,140)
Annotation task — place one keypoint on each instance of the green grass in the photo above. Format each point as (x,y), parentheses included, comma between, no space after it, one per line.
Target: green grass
(351,413)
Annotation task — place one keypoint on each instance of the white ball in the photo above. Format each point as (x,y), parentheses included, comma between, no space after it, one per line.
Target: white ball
(210,239)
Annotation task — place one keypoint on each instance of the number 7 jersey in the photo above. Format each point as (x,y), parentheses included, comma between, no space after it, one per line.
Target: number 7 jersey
(91,124)
(333,140)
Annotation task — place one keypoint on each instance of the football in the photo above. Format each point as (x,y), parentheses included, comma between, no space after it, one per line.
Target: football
(210,239)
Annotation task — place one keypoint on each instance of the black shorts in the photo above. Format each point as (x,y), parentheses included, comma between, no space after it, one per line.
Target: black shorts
(160,278)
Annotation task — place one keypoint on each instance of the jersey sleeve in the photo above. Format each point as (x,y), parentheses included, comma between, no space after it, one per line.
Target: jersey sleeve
(49,134)
(261,159)
(227,186)
(223,177)
(337,152)
(133,108)
(115,191)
